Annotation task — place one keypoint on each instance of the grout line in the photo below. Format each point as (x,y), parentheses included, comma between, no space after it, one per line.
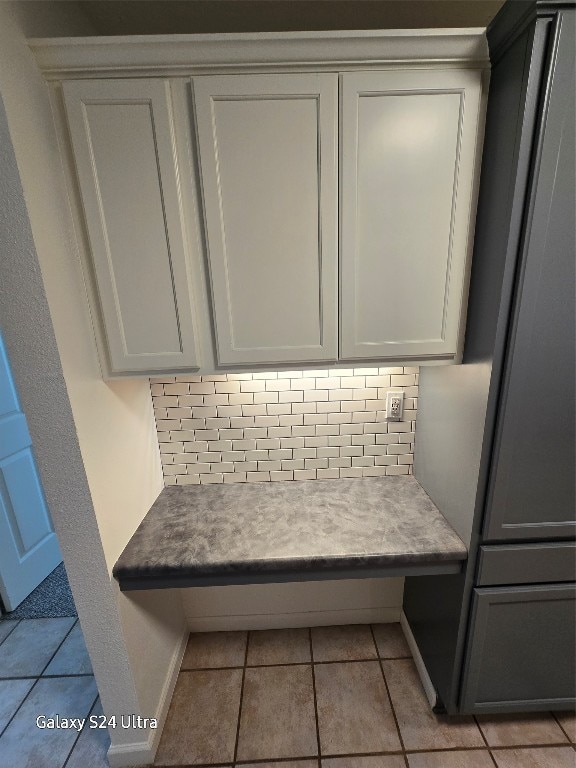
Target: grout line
(258,761)
(297,663)
(241,697)
(564,731)
(58,648)
(315,697)
(3,731)
(389,698)
(507,747)
(48,677)
(65,763)
(41,674)
(36,678)
(485,740)
(12,630)
(339,755)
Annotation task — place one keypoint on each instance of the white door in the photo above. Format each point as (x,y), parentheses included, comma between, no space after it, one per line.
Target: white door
(29,549)
(408,153)
(123,141)
(268,166)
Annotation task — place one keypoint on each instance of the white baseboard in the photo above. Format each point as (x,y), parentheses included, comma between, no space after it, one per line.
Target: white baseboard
(143,752)
(427,683)
(137,753)
(382,615)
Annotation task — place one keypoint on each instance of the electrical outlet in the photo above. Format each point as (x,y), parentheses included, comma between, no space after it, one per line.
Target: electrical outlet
(394,405)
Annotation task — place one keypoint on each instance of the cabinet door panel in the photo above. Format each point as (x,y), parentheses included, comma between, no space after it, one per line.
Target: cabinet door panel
(122,139)
(521,650)
(268,167)
(408,148)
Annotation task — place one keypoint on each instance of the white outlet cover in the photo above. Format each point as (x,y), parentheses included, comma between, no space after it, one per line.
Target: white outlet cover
(394,405)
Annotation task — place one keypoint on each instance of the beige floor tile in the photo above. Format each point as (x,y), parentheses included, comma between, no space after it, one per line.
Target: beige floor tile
(291,764)
(419,726)
(537,757)
(524,729)
(279,646)
(202,720)
(208,650)
(277,717)
(343,643)
(458,759)
(568,722)
(382,761)
(390,641)
(354,712)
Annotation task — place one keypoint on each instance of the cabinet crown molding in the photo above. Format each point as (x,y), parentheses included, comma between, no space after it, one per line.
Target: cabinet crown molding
(165,55)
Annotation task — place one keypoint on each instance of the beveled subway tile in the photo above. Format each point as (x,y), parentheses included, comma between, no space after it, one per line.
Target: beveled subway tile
(202,720)
(420,728)
(72,657)
(343,643)
(12,694)
(29,647)
(535,757)
(279,646)
(380,761)
(277,718)
(91,748)
(354,712)
(208,650)
(568,722)
(477,758)
(390,641)
(24,745)
(522,729)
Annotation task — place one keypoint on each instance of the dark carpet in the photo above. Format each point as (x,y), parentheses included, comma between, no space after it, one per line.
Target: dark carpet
(50,600)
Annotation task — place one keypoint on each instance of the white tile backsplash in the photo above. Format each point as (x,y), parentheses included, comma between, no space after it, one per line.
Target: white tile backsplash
(285,425)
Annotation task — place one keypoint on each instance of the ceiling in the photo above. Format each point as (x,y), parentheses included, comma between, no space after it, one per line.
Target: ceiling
(152,17)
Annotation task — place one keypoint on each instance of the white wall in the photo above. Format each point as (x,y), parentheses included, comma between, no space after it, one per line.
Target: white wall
(114,420)
(298,604)
(114,423)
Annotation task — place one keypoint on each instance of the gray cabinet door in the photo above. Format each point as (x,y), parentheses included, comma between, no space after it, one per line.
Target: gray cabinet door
(268,170)
(532,491)
(521,650)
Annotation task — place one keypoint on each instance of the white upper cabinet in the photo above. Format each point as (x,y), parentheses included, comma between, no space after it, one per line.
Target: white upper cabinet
(279,199)
(122,139)
(408,150)
(268,170)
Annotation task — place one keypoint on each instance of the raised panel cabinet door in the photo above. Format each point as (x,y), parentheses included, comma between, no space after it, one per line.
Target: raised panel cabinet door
(520,653)
(408,150)
(124,152)
(268,164)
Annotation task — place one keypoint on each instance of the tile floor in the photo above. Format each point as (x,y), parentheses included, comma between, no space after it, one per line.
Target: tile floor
(45,669)
(336,697)
(330,697)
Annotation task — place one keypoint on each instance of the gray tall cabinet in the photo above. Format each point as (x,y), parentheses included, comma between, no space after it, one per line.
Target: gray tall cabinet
(495,442)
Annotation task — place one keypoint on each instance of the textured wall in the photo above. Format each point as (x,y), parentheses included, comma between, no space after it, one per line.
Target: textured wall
(95,443)
(27,328)
(289,425)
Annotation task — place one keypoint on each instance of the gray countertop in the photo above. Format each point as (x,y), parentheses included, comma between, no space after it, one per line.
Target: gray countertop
(283,531)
